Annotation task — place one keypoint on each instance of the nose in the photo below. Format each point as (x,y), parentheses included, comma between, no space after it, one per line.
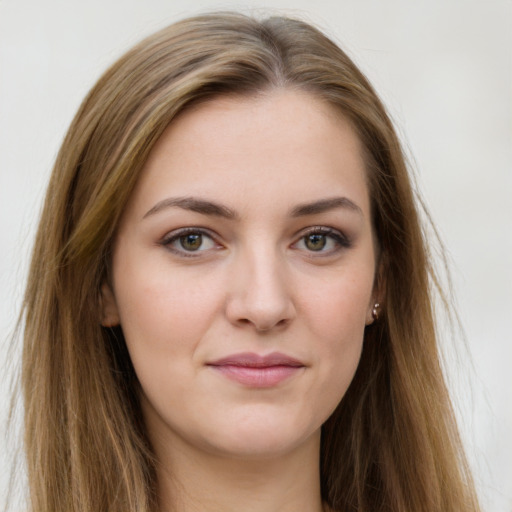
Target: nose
(260,292)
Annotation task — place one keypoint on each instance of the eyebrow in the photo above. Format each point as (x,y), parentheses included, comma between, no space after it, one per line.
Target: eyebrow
(324,205)
(206,207)
(193,204)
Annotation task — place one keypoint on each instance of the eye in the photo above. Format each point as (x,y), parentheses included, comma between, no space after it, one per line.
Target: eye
(188,241)
(315,241)
(322,240)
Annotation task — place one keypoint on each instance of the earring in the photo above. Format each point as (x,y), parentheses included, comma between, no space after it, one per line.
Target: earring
(375,311)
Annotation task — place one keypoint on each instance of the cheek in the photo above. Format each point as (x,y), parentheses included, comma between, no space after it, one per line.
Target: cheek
(339,307)
(337,322)
(162,315)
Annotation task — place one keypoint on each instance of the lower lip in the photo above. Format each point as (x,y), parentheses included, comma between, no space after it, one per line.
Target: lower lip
(258,377)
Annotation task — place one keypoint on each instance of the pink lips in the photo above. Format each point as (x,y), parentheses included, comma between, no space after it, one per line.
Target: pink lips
(257,371)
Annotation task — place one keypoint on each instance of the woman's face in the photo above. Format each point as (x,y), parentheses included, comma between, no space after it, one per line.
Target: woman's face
(243,273)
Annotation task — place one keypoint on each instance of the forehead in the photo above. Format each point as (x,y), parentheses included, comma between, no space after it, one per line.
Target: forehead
(282,144)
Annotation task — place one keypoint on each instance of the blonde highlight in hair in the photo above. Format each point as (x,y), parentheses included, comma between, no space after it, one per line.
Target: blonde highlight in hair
(391,445)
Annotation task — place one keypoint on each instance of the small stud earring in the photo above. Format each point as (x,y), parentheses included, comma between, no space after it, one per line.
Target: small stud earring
(375,311)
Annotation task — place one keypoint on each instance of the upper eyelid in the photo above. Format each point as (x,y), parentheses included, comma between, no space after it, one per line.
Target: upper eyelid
(176,233)
(324,230)
(320,229)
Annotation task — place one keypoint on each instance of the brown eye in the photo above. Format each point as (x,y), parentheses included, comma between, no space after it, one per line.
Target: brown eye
(191,241)
(322,241)
(315,241)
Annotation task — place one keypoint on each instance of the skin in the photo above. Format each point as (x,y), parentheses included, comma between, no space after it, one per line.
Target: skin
(267,279)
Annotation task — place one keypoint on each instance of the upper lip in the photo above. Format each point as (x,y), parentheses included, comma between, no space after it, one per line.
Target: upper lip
(252,360)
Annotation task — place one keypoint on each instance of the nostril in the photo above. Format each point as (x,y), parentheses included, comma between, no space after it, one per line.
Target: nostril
(263,326)
(271,326)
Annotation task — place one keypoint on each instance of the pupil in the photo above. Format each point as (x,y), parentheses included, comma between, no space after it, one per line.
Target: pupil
(315,242)
(191,242)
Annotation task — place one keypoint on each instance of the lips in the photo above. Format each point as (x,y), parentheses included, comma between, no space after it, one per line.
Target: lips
(254,370)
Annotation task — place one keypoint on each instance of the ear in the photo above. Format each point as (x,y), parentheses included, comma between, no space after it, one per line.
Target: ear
(377,297)
(109,312)
(374,310)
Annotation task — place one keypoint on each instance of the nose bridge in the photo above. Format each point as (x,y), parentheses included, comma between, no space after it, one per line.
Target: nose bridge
(260,291)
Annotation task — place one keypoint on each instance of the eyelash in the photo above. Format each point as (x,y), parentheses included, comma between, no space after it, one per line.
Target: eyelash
(341,241)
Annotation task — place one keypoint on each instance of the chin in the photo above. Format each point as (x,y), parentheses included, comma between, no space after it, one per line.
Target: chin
(258,448)
(261,439)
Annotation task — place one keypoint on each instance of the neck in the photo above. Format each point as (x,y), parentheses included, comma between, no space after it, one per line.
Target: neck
(194,481)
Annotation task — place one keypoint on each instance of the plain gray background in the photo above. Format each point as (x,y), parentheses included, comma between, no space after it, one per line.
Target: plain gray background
(443,68)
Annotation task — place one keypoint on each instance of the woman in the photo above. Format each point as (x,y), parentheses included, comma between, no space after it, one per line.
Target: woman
(229,302)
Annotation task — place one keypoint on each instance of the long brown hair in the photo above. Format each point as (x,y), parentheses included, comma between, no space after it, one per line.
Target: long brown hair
(392,443)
